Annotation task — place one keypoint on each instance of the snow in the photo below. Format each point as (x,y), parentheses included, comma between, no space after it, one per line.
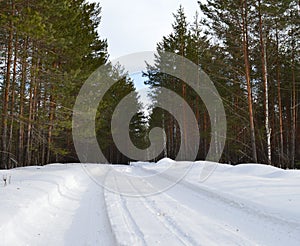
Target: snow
(52,205)
(150,204)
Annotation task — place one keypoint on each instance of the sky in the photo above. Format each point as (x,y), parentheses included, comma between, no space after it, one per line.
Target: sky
(138,25)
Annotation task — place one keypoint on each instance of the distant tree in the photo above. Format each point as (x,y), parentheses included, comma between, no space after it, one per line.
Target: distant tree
(137,126)
(185,40)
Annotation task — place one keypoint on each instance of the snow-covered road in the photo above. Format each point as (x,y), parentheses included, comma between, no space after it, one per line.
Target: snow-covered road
(67,205)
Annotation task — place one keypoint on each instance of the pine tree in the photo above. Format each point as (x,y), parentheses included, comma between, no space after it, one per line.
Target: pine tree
(137,127)
(240,29)
(50,49)
(186,41)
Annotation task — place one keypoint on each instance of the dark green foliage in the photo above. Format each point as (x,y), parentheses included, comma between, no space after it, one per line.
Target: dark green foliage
(215,43)
(55,48)
(137,127)
(280,22)
(187,41)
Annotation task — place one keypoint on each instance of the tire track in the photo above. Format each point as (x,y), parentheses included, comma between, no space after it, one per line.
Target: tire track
(166,220)
(191,236)
(228,200)
(116,207)
(235,216)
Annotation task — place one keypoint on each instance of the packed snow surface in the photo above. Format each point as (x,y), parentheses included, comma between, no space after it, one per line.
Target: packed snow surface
(164,203)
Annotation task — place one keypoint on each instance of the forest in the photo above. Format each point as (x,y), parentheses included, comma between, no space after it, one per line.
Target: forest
(249,48)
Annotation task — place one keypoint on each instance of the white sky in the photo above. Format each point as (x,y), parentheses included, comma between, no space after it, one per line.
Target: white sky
(138,25)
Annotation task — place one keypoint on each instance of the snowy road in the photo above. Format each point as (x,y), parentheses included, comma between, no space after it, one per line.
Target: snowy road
(62,205)
(190,214)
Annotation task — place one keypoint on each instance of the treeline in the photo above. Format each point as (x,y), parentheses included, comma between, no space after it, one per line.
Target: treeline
(48,49)
(250,50)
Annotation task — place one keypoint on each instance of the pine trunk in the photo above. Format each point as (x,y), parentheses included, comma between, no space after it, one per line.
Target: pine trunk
(12,161)
(22,98)
(265,79)
(4,159)
(294,116)
(281,157)
(50,128)
(248,80)
(31,106)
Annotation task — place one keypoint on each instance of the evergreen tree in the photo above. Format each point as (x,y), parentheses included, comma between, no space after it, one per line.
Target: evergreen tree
(240,30)
(185,40)
(48,50)
(137,126)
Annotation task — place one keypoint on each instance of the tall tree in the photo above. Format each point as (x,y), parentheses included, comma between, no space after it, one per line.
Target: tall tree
(50,49)
(262,38)
(229,22)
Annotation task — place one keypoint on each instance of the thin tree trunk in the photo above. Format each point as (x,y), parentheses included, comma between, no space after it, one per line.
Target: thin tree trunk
(185,157)
(28,149)
(30,112)
(279,101)
(10,145)
(247,71)
(205,131)
(288,127)
(164,135)
(265,79)
(198,121)
(44,139)
(6,96)
(50,128)
(22,98)
(34,118)
(294,116)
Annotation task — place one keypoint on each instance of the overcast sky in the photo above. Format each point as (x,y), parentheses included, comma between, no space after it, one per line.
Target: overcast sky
(137,25)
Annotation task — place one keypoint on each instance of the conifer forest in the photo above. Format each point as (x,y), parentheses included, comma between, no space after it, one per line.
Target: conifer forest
(250,49)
